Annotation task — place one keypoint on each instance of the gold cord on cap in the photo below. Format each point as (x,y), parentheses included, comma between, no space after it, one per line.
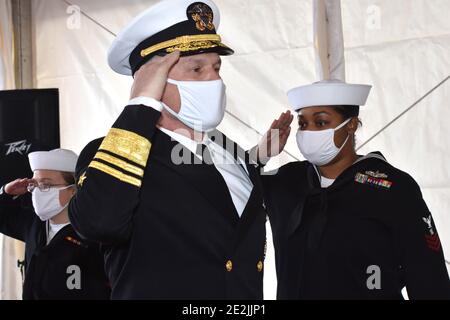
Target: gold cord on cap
(186,43)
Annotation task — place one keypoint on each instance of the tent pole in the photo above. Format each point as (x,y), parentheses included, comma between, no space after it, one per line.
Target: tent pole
(23,63)
(21,10)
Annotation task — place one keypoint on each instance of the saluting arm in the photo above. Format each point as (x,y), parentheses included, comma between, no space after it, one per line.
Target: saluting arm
(15,221)
(109,189)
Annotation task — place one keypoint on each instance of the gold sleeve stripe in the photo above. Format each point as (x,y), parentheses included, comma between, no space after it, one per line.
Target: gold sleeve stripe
(116,173)
(120,163)
(128,145)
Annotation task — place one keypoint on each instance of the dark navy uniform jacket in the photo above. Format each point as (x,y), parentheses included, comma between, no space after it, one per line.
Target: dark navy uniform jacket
(49,269)
(367,236)
(170,230)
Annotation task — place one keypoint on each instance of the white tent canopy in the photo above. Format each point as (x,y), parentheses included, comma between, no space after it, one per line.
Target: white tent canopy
(400,47)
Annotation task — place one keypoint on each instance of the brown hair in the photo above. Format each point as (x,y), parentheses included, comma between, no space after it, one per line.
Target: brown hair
(68,177)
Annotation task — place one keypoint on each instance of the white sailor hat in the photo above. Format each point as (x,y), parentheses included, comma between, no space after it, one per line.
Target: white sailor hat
(186,25)
(328,93)
(56,160)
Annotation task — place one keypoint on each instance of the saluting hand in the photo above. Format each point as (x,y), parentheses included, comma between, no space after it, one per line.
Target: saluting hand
(17,187)
(150,80)
(274,141)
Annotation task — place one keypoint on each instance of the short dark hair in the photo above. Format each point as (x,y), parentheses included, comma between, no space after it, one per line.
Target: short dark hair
(347,111)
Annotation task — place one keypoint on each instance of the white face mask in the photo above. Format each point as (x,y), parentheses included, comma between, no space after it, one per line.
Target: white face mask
(202,104)
(46,204)
(318,146)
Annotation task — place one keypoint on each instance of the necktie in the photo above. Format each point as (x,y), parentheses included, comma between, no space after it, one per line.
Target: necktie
(203,151)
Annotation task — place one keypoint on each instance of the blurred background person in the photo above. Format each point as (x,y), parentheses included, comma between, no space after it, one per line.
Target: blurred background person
(58,263)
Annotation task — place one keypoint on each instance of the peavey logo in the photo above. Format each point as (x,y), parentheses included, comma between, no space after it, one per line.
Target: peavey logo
(20,147)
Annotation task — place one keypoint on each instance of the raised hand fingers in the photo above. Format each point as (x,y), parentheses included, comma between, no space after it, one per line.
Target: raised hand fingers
(171,59)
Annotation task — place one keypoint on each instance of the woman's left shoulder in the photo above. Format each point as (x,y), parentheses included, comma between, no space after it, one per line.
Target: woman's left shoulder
(400,179)
(379,168)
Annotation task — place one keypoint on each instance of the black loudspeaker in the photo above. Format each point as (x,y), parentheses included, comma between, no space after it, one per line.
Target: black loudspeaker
(29,121)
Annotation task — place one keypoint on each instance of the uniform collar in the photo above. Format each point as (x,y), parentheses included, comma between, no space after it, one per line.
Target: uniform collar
(373,155)
(188,143)
(218,148)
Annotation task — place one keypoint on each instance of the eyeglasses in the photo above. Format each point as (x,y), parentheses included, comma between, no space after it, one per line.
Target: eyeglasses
(43,187)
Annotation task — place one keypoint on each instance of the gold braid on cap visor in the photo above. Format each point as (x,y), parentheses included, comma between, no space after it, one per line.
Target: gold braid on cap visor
(186,43)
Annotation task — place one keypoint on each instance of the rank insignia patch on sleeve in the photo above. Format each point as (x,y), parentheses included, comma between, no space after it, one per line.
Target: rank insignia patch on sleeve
(433,242)
(432,238)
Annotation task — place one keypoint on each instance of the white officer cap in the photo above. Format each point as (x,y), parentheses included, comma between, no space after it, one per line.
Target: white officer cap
(186,25)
